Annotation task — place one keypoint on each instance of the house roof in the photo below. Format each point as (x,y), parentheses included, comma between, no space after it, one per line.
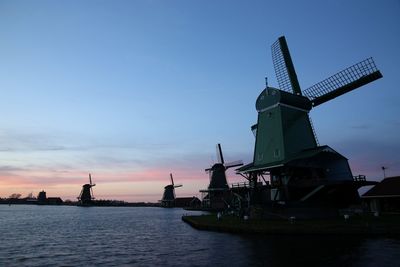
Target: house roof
(388,187)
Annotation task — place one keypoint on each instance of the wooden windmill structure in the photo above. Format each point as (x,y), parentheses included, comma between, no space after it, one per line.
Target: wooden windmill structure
(286,147)
(168,198)
(215,196)
(86,196)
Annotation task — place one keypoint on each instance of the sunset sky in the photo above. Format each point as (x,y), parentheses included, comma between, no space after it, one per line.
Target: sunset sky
(133,90)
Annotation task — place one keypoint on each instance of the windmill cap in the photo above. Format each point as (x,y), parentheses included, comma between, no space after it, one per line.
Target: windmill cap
(271,97)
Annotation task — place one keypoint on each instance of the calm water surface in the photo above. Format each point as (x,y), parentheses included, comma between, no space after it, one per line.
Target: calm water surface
(119,236)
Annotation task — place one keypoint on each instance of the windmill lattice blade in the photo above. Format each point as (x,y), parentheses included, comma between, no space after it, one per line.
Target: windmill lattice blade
(344,81)
(284,69)
(234,164)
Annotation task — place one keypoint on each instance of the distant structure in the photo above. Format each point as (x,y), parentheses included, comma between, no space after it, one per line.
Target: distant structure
(42,198)
(86,196)
(302,173)
(384,197)
(168,198)
(187,202)
(217,195)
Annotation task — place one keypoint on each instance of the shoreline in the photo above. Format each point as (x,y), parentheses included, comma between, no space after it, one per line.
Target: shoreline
(386,225)
(126,204)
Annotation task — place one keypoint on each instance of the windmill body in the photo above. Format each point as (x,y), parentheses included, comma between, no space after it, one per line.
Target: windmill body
(217,194)
(168,198)
(286,147)
(283,127)
(86,196)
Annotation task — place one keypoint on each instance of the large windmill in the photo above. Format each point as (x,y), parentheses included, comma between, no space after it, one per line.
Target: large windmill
(215,193)
(86,196)
(168,198)
(286,146)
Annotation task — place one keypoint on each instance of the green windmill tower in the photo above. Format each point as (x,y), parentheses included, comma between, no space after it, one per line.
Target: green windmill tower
(286,147)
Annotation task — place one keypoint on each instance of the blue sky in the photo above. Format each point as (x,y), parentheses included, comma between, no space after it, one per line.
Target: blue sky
(133,90)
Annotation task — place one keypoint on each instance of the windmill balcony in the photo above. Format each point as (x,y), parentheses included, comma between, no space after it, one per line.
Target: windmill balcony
(359,178)
(241,185)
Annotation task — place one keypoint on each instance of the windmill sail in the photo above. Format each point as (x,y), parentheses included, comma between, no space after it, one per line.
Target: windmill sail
(344,81)
(219,154)
(234,164)
(284,69)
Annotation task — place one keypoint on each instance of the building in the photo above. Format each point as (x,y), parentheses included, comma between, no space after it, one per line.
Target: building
(184,202)
(384,197)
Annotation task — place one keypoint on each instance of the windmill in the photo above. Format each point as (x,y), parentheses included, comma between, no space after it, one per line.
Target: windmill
(218,183)
(286,146)
(86,196)
(168,197)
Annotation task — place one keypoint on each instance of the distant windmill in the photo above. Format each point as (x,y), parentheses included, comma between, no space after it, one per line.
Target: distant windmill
(216,191)
(86,196)
(217,171)
(168,197)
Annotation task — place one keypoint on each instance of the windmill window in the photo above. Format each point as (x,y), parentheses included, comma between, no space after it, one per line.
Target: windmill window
(269,114)
(277,153)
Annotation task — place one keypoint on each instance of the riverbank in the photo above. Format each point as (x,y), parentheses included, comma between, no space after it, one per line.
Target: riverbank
(95,203)
(386,225)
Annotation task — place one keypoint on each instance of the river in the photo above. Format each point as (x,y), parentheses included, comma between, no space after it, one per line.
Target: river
(133,236)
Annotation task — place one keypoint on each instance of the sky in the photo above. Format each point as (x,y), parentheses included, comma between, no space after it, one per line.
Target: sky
(131,91)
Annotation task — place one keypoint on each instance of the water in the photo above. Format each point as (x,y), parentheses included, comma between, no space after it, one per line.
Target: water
(128,236)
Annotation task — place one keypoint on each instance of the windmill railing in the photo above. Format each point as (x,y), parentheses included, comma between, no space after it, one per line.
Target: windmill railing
(359,178)
(241,185)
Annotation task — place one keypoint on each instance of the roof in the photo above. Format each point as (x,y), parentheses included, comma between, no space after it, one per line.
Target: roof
(388,187)
(309,153)
(304,154)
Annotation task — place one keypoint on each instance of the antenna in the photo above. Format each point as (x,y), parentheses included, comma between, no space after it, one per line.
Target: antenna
(384,171)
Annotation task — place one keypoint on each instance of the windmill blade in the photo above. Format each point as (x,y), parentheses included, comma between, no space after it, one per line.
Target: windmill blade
(219,154)
(90,179)
(344,81)
(178,185)
(233,164)
(284,69)
(91,191)
(172,179)
(208,169)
